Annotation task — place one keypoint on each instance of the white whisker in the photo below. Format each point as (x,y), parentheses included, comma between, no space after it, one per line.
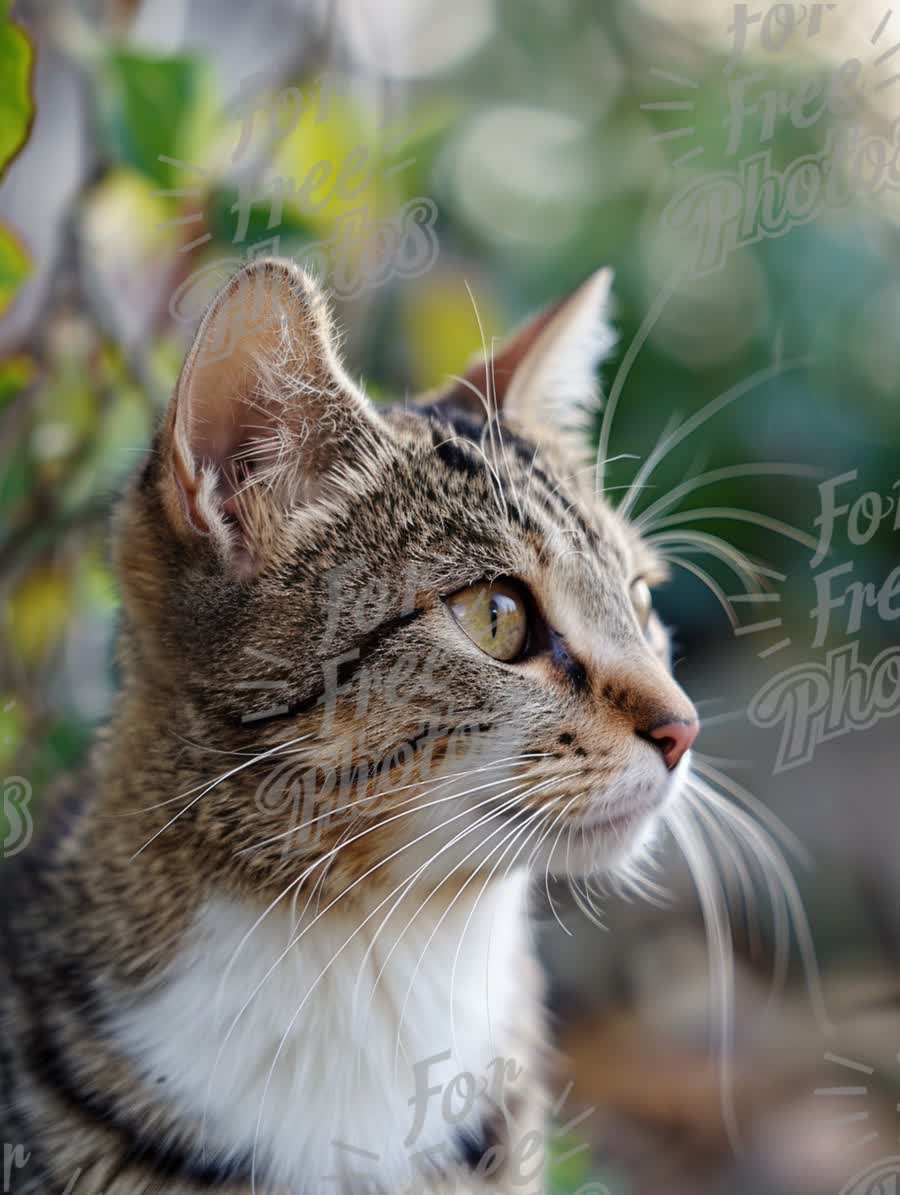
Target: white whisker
(713,407)
(721,958)
(740,516)
(711,584)
(557,820)
(454,966)
(335,956)
(208,788)
(383,795)
(746,570)
(773,864)
(628,360)
(761,469)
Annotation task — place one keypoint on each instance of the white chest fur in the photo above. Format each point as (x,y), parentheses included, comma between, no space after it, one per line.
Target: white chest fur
(353,1051)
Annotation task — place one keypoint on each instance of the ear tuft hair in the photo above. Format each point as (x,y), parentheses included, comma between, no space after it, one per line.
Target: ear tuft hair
(555,390)
(543,379)
(263,412)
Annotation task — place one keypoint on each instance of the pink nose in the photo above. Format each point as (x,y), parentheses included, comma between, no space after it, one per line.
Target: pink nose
(674,739)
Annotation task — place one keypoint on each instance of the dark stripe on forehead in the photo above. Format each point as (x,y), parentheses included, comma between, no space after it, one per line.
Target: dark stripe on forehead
(453,448)
(548,488)
(531,495)
(517,515)
(461,422)
(570,530)
(456,455)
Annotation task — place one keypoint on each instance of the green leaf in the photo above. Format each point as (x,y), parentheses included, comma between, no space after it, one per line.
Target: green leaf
(330,158)
(14,267)
(224,215)
(12,728)
(153,109)
(16,481)
(16,373)
(16,107)
(67,740)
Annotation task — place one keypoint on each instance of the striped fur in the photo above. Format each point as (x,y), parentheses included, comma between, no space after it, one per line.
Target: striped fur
(309,759)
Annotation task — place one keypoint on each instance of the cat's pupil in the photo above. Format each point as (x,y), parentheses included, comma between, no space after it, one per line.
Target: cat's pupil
(494,609)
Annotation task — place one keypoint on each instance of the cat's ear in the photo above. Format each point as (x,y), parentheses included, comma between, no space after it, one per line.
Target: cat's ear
(543,379)
(263,417)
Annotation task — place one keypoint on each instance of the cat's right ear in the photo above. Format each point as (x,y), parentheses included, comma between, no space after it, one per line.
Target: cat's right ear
(543,379)
(264,418)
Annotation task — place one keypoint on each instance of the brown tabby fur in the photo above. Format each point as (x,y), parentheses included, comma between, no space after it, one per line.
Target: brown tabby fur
(344,527)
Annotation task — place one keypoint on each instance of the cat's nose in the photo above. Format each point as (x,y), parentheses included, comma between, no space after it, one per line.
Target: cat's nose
(674,739)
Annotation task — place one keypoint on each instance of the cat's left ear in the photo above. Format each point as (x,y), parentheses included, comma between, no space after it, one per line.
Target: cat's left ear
(264,418)
(543,379)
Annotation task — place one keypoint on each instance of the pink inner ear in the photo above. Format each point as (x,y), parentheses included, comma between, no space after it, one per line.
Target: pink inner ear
(506,360)
(220,411)
(262,397)
(223,418)
(228,431)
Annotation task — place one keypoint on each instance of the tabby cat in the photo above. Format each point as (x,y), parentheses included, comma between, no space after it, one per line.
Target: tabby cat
(382,666)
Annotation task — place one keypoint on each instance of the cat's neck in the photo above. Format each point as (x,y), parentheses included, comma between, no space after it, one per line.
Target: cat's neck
(360,1017)
(340,1022)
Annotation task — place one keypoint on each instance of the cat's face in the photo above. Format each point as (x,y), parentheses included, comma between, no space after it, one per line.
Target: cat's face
(430,637)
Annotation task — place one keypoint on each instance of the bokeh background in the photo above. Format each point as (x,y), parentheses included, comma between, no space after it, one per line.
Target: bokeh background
(539,139)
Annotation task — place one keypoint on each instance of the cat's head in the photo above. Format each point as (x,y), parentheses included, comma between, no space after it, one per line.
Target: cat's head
(426,639)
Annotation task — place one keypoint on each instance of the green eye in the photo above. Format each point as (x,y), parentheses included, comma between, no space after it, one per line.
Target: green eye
(494,617)
(642,599)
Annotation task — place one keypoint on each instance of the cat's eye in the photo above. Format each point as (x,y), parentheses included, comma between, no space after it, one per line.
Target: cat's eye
(642,599)
(494,616)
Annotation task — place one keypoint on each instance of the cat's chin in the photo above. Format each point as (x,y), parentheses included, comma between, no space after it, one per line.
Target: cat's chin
(598,849)
(610,835)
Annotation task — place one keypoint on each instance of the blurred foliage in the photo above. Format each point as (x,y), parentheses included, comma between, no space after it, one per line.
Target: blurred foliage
(153,110)
(16,111)
(13,267)
(529,129)
(16,108)
(550,138)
